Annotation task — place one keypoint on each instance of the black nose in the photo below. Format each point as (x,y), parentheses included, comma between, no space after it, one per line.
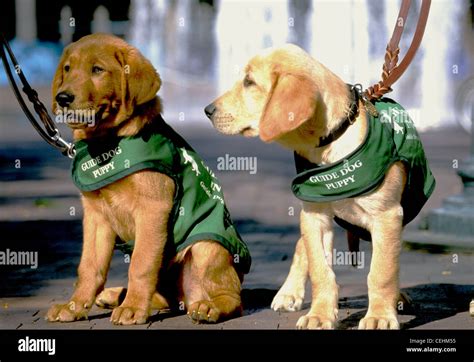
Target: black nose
(210,109)
(64,99)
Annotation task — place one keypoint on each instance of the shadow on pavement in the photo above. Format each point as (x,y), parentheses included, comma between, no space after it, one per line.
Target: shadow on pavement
(58,254)
(428,303)
(258,298)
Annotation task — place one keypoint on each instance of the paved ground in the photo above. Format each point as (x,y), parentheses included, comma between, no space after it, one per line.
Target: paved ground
(40,211)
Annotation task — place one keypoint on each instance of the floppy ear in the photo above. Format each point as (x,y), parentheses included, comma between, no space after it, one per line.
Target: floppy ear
(139,81)
(292,102)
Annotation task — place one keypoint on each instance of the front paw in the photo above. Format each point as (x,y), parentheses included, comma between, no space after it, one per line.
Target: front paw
(316,321)
(384,321)
(287,302)
(127,315)
(70,312)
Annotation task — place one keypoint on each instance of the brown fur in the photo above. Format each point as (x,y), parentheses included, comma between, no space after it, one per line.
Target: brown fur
(289,97)
(136,207)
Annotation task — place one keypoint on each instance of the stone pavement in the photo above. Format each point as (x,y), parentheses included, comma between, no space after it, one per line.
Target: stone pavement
(40,211)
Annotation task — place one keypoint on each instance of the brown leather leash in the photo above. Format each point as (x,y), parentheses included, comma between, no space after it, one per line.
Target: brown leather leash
(392,71)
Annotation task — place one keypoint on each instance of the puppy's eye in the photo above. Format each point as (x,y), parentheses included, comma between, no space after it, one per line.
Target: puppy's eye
(96,69)
(66,68)
(248,82)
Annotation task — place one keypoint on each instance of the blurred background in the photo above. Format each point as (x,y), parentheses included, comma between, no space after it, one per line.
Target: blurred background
(199,46)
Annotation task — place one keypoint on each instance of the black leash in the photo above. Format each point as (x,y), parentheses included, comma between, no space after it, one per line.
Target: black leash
(50,133)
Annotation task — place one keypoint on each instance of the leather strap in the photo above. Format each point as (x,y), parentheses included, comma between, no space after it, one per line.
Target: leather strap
(49,132)
(391,71)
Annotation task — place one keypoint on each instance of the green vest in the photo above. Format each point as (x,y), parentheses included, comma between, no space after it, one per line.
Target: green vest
(199,211)
(390,137)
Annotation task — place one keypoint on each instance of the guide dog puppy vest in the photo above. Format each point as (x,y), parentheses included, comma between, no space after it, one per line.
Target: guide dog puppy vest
(391,137)
(199,211)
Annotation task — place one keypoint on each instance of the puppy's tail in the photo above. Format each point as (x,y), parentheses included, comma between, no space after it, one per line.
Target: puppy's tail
(353,243)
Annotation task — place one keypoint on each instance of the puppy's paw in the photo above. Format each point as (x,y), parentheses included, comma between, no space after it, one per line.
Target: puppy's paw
(287,303)
(315,321)
(111,298)
(126,316)
(388,321)
(204,311)
(70,312)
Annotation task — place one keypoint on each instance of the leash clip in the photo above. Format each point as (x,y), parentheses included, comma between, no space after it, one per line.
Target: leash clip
(358,88)
(369,106)
(67,148)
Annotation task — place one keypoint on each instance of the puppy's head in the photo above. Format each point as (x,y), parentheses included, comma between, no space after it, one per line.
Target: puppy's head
(100,80)
(277,95)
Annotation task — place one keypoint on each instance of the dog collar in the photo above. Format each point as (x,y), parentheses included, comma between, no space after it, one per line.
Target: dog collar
(347,121)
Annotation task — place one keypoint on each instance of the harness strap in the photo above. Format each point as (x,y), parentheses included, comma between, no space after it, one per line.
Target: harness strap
(50,133)
(391,71)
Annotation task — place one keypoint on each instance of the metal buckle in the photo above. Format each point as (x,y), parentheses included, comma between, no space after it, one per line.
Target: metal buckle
(71,151)
(358,88)
(367,103)
(61,142)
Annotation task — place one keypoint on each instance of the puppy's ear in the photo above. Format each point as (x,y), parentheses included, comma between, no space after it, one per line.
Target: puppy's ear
(139,81)
(292,102)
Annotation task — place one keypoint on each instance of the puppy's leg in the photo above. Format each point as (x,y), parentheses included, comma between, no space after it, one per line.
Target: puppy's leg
(210,283)
(383,279)
(291,294)
(316,231)
(99,240)
(151,235)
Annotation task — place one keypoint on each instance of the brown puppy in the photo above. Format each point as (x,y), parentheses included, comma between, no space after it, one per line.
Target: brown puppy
(105,75)
(288,97)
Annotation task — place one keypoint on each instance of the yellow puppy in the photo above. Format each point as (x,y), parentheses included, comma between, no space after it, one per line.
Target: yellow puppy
(288,97)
